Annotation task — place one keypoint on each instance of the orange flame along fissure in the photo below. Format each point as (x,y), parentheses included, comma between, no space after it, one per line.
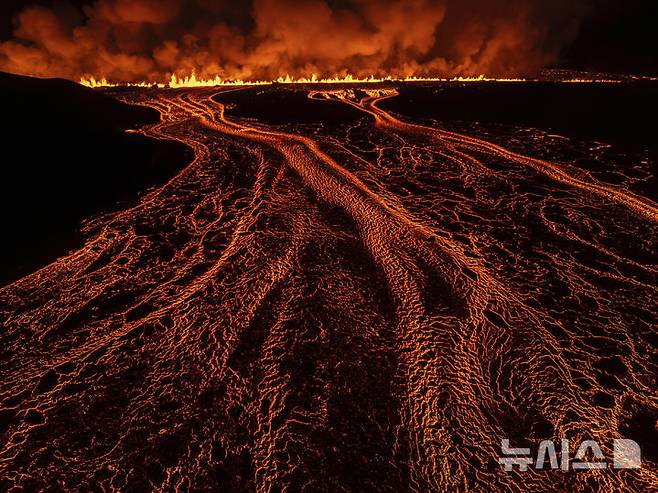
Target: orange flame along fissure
(192,81)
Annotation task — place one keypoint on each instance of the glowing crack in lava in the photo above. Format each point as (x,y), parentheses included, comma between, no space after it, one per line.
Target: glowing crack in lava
(371,306)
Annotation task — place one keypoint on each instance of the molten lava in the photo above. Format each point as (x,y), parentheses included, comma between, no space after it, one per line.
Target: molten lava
(192,81)
(371,304)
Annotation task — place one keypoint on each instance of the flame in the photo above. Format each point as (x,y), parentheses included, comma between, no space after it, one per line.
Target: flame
(482,78)
(93,82)
(333,80)
(589,81)
(176,82)
(192,80)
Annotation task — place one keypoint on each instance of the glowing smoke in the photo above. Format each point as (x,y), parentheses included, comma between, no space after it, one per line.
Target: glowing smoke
(127,40)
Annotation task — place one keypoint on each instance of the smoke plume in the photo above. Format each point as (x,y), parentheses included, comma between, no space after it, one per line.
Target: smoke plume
(130,40)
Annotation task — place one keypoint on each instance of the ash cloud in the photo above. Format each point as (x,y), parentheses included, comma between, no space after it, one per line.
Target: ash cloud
(130,40)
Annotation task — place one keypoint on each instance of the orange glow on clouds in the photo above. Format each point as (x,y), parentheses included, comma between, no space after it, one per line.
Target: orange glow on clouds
(265,40)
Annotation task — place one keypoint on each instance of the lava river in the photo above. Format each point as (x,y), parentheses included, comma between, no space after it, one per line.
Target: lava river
(368,306)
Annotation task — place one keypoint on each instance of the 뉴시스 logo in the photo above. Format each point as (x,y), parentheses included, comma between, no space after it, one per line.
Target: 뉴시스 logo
(626,454)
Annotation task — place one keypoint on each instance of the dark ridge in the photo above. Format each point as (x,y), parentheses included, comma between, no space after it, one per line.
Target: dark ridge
(67,157)
(279,105)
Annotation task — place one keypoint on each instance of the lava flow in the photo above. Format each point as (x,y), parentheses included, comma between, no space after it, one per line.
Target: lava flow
(368,305)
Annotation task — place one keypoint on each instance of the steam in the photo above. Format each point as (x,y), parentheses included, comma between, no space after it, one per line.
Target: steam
(130,40)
